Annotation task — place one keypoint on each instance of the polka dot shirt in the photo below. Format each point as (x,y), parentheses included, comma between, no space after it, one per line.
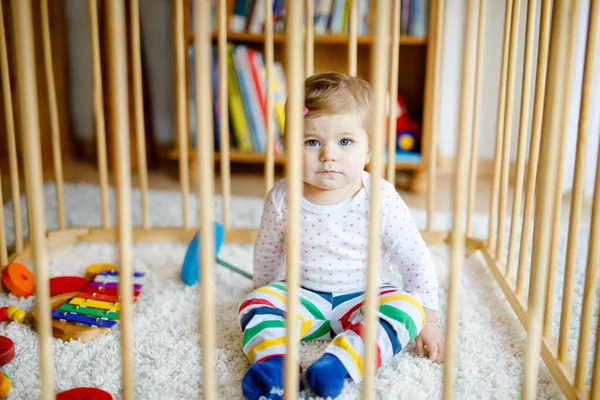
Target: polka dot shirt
(334,244)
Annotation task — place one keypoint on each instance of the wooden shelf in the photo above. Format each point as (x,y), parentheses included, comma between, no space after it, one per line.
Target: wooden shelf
(239,157)
(318,39)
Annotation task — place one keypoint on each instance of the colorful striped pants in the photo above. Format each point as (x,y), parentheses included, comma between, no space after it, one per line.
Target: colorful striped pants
(335,317)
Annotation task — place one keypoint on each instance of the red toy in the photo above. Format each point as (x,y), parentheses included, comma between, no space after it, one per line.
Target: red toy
(408,134)
(83,393)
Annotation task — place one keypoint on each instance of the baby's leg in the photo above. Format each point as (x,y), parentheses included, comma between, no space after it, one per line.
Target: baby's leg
(401,318)
(262,320)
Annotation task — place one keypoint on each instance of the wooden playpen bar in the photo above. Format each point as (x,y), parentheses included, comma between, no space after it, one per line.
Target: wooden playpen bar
(537,185)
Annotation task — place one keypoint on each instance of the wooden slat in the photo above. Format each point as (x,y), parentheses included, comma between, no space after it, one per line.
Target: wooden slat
(224,113)
(204,151)
(578,178)
(270,99)
(508,118)
(119,110)
(458,236)
(379,70)
(393,89)
(138,99)
(544,209)
(500,128)
(294,137)
(309,28)
(10,137)
(30,131)
(98,99)
(54,123)
(534,143)
(352,38)
(522,134)
(432,96)
(474,156)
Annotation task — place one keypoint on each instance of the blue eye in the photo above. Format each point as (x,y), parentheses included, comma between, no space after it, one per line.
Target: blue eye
(345,142)
(312,142)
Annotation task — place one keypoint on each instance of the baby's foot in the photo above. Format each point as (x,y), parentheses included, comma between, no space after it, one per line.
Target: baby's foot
(326,376)
(264,378)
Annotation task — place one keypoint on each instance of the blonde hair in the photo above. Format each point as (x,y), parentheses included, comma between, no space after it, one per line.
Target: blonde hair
(331,93)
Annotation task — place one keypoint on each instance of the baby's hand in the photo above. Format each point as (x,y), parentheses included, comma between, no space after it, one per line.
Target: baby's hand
(432,339)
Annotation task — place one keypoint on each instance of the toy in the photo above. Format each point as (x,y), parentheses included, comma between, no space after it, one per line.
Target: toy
(408,134)
(94,269)
(7,350)
(12,312)
(18,279)
(91,312)
(67,284)
(83,393)
(7,353)
(189,268)
(4,385)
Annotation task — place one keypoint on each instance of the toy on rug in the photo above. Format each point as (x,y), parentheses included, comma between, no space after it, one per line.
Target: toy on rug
(13,313)
(67,284)
(91,312)
(94,269)
(18,280)
(189,268)
(84,393)
(7,353)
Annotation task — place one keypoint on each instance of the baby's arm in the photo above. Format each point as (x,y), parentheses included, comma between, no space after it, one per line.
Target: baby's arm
(269,252)
(409,252)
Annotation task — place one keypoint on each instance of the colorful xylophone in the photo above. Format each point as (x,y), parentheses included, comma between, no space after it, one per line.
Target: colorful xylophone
(98,304)
(93,311)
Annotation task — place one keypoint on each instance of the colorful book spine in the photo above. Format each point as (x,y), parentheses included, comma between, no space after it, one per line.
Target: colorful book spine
(236,107)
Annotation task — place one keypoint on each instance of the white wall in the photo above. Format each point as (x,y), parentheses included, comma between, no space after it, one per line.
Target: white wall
(451,81)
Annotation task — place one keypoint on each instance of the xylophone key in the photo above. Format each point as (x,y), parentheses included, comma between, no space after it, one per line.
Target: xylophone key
(112,285)
(83,319)
(103,305)
(92,312)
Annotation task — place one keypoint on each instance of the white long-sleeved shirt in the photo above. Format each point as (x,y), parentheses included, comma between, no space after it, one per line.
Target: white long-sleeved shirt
(334,244)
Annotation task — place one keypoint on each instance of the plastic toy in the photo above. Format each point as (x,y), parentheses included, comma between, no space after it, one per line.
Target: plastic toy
(91,312)
(12,313)
(408,135)
(83,393)
(189,268)
(7,350)
(94,269)
(18,280)
(67,284)
(7,353)
(4,385)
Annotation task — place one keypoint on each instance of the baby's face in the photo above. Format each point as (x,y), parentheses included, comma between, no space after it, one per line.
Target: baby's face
(336,149)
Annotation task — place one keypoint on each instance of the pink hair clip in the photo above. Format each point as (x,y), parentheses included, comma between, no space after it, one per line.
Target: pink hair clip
(305,111)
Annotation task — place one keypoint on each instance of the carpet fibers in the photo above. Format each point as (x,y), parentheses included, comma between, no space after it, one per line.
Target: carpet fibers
(167,350)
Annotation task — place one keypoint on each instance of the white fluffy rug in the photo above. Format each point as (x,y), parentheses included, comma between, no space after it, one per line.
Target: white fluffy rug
(167,351)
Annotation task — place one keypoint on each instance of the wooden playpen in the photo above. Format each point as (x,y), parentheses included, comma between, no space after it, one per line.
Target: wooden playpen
(537,187)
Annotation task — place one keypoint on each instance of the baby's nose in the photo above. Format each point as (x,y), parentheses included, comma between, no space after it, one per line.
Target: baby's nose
(328,153)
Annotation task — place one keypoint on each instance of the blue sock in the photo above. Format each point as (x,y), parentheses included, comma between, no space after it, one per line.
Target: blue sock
(264,378)
(326,376)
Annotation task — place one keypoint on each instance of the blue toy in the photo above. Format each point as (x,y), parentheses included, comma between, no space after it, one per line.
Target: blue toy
(190,268)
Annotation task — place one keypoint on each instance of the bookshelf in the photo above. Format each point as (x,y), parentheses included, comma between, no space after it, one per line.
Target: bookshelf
(331,53)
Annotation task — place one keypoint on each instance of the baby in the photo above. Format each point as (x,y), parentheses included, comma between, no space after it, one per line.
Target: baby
(334,250)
